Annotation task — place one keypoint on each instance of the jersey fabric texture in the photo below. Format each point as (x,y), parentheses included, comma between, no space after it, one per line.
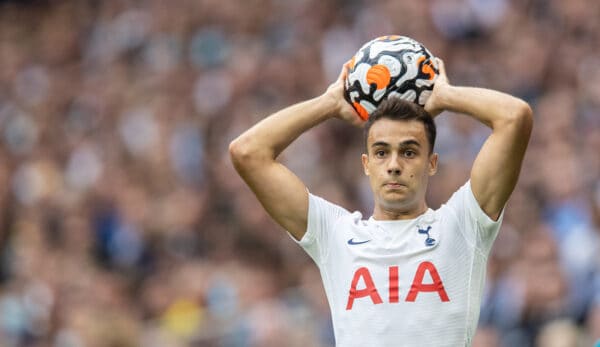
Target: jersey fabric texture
(416,282)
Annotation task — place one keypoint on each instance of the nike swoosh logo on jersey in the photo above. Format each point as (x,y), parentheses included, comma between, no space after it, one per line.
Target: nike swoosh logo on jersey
(352,242)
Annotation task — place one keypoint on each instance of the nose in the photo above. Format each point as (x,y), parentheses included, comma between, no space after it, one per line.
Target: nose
(393,166)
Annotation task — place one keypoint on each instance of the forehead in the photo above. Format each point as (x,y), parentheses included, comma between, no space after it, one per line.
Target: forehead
(396,131)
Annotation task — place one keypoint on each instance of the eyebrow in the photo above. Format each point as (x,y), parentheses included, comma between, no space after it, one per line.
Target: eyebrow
(402,144)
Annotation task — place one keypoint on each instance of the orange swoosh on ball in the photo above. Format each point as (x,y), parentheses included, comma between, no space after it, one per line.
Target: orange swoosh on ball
(362,112)
(427,68)
(380,75)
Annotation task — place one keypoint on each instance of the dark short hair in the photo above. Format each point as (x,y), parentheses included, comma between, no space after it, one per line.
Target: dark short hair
(402,110)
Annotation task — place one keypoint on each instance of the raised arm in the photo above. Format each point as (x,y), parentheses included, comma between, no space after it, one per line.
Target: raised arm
(497,166)
(254,153)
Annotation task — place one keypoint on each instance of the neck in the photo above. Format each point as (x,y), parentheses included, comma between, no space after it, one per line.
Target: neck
(382,213)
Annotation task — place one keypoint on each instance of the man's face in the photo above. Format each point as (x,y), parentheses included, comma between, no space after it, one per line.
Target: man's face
(398,164)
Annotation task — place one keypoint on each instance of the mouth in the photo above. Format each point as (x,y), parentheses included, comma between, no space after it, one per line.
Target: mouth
(394,185)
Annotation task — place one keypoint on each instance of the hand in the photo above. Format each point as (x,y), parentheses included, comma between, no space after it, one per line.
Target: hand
(434,104)
(344,110)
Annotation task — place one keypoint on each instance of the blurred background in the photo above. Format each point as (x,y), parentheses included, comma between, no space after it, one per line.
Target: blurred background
(123,223)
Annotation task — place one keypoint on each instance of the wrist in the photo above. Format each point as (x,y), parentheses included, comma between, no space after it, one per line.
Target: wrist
(329,105)
(445,97)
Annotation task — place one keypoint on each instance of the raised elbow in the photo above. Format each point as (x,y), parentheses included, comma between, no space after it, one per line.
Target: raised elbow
(520,118)
(524,117)
(238,152)
(244,153)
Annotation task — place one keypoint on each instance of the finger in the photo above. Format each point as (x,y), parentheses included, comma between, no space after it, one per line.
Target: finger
(346,65)
(345,69)
(441,66)
(343,74)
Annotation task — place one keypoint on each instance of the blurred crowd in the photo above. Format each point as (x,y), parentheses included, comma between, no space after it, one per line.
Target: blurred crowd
(123,223)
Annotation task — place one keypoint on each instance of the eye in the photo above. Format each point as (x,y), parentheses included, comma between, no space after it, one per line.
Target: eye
(380,153)
(409,153)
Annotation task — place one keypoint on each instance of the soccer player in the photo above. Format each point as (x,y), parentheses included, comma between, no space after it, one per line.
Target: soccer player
(408,275)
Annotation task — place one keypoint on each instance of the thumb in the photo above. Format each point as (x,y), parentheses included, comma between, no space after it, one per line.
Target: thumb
(441,71)
(440,65)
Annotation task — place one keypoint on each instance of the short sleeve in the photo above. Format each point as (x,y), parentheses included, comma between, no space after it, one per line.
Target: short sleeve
(322,216)
(477,227)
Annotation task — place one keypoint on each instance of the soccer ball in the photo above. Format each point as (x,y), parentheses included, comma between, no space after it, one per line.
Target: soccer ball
(389,66)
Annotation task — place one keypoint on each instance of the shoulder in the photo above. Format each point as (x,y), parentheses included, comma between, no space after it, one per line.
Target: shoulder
(464,207)
(319,204)
(327,213)
(462,198)
(325,221)
(464,212)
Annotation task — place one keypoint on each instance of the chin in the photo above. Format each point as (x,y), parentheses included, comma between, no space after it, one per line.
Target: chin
(397,195)
(397,204)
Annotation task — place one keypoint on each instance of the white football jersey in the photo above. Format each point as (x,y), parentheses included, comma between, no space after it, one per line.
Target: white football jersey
(414,282)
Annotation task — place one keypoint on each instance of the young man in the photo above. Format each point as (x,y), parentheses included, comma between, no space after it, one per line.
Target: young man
(409,275)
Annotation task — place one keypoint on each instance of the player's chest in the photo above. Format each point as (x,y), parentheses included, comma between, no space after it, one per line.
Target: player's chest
(407,240)
(415,263)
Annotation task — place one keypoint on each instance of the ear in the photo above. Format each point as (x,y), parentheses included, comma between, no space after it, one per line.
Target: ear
(433,161)
(365,162)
